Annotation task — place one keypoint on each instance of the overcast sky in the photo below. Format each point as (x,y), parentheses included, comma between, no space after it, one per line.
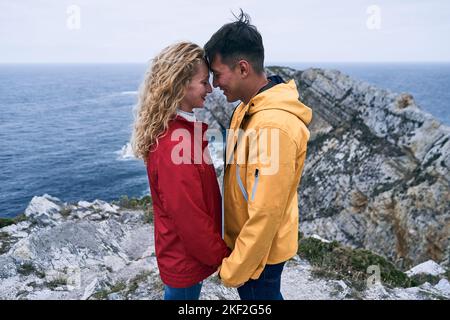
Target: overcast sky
(293,30)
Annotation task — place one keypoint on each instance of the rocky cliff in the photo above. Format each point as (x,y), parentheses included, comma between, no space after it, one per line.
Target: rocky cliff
(376,173)
(102,251)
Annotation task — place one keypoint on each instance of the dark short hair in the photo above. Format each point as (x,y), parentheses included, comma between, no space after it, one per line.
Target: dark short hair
(237,40)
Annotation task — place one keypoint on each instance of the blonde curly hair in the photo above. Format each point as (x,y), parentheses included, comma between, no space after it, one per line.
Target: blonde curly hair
(161,92)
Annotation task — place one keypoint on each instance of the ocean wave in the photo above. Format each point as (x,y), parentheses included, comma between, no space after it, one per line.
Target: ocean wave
(126,153)
(145,193)
(129,93)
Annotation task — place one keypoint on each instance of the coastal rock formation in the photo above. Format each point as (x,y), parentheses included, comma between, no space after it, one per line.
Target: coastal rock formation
(102,251)
(376,173)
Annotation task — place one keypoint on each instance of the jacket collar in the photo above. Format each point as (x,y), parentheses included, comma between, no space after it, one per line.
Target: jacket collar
(191,125)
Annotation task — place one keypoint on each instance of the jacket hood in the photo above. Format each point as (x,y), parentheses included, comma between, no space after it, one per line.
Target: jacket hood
(283,96)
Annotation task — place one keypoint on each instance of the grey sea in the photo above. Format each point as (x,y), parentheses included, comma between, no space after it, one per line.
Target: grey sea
(64,129)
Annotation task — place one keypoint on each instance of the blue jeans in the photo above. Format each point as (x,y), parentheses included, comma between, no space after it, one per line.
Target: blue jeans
(267,287)
(189,293)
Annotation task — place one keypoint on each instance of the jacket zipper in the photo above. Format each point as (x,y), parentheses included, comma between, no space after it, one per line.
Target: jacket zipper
(223,174)
(256,184)
(241,185)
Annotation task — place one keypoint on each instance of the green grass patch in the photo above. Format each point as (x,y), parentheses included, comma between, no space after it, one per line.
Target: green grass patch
(28,268)
(9,221)
(145,204)
(55,283)
(103,294)
(337,261)
(118,287)
(5,241)
(134,283)
(418,279)
(66,211)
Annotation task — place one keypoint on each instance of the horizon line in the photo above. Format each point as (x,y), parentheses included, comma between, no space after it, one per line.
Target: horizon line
(270,63)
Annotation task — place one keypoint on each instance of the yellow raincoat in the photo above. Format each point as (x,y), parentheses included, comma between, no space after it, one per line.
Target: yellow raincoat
(264,164)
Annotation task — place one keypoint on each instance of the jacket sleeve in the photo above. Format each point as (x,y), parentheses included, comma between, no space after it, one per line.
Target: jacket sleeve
(268,184)
(182,193)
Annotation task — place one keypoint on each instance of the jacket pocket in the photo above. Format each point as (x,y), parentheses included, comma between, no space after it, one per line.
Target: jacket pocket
(255,186)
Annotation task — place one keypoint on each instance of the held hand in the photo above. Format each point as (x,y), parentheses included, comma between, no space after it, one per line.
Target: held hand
(217,273)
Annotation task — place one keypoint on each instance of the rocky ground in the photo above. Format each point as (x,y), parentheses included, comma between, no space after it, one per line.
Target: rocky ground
(100,250)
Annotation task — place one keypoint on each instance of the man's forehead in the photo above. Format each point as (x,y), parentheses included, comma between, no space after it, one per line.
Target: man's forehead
(217,64)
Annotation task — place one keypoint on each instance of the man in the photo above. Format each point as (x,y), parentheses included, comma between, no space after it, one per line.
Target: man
(266,149)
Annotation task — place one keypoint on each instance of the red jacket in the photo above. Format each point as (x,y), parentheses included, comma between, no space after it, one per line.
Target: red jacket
(187,206)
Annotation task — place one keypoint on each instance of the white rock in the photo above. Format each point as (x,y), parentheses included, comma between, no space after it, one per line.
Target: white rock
(44,210)
(340,156)
(90,289)
(315,236)
(342,284)
(114,262)
(103,206)
(428,267)
(342,288)
(443,286)
(14,229)
(115,296)
(376,292)
(40,205)
(84,204)
(22,250)
(20,234)
(96,216)
(82,215)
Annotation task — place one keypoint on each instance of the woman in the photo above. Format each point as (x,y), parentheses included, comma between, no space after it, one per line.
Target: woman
(186,196)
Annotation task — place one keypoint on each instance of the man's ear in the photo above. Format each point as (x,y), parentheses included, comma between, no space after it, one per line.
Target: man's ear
(244,68)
